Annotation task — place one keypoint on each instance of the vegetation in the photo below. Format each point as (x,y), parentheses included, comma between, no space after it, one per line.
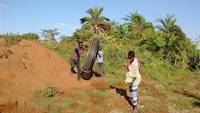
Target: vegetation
(165,44)
(101,95)
(95,23)
(137,25)
(166,54)
(11,38)
(49,91)
(50,34)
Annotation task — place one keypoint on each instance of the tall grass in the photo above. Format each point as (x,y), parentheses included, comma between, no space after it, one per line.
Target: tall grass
(115,56)
(11,39)
(152,67)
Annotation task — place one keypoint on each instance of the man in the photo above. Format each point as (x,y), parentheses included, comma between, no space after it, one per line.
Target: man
(75,59)
(133,77)
(100,60)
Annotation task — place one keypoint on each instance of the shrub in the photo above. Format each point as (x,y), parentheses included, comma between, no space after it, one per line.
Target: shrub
(101,95)
(11,39)
(84,95)
(49,91)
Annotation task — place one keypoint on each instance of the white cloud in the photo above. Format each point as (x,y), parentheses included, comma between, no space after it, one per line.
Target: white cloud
(61,25)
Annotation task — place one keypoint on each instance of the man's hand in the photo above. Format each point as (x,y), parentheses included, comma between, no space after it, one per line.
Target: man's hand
(126,67)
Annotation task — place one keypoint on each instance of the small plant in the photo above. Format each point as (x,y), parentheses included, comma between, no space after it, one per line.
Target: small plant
(49,91)
(81,111)
(185,102)
(101,95)
(10,41)
(68,103)
(84,95)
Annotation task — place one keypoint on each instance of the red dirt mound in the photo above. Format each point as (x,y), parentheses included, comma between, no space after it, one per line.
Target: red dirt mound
(27,66)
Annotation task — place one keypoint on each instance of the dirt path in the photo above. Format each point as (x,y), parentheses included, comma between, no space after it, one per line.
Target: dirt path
(27,66)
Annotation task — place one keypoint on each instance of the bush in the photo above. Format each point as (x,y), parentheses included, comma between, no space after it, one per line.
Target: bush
(49,91)
(29,36)
(84,95)
(11,39)
(101,95)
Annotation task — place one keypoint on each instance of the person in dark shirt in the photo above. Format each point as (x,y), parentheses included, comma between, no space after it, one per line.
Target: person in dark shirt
(75,59)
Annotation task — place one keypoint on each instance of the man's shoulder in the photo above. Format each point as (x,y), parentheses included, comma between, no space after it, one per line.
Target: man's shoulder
(76,48)
(100,52)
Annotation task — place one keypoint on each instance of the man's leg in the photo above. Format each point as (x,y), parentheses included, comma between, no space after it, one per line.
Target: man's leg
(133,91)
(79,70)
(72,62)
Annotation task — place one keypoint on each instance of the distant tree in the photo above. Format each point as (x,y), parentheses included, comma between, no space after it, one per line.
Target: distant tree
(96,22)
(50,33)
(154,43)
(63,36)
(30,36)
(167,25)
(178,48)
(82,34)
(121,31)
(137,24)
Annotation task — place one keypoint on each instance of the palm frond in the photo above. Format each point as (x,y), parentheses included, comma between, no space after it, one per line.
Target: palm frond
(85,19)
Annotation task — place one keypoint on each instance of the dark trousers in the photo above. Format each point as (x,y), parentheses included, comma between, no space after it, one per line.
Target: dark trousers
(76,63)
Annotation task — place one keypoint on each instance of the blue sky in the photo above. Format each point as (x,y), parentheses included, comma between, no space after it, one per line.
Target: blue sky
(33,15)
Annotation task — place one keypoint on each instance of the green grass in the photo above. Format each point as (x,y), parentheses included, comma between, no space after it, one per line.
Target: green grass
(185,102)
(84,95)
(68,103)
(13,39)
(101,95)
(48,91)
(153,105)
(115,54)
(53,104)
(81,111)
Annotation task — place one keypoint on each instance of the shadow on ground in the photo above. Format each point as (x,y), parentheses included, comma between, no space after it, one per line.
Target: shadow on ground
(122,92)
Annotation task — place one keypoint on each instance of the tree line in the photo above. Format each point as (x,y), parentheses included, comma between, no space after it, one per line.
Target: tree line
(166,41)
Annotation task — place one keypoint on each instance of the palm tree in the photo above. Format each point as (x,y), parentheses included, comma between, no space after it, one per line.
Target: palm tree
(96,22)
(137,23)
(168,24)
(121,31)
(153,43)
(169,29)
(176,43)
(50,33)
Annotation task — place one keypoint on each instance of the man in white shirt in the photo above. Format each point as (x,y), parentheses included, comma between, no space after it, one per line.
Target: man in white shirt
(100,60)
(133,77)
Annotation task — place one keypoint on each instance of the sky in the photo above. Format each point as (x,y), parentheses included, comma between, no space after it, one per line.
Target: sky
(22,16)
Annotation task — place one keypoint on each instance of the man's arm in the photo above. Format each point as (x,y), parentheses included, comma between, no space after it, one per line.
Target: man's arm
(76,50)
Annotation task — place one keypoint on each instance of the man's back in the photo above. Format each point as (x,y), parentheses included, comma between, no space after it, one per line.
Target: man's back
(100,56)
(76,53)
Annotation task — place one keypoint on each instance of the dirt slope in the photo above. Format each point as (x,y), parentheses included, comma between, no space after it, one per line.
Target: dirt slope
(27,66)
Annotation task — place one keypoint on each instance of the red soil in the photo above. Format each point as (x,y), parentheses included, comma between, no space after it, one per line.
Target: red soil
(27,66)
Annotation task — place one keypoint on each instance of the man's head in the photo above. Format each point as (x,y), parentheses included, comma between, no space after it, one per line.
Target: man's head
(131,55)
(80,44)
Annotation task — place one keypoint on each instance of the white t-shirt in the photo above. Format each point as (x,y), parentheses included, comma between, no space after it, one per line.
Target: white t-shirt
(100,56)
(134,72)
